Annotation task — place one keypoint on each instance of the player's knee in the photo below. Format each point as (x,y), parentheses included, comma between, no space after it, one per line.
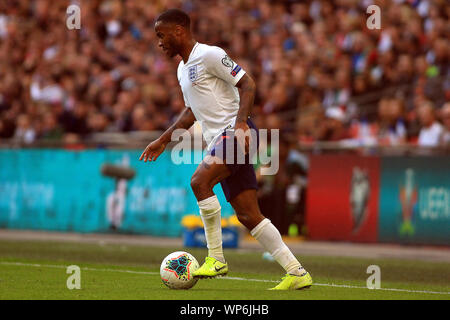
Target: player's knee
(198,184)
(195,183)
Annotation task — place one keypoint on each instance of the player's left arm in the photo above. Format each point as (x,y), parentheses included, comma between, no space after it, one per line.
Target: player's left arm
(247,88)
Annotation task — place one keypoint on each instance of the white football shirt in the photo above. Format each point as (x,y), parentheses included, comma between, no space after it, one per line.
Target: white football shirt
(431,136)
(208,81)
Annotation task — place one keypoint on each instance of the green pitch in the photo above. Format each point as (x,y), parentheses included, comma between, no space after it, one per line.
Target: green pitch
(37,270)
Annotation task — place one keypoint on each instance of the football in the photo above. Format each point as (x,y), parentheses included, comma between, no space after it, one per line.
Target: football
(176,270)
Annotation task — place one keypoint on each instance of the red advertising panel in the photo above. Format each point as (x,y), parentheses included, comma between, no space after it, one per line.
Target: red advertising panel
(342,201)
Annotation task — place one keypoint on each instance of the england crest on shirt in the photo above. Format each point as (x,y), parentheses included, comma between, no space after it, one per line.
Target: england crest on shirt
(193,75)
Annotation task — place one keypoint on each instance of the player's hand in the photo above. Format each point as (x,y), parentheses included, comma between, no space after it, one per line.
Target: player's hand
(243,136)
(153,150)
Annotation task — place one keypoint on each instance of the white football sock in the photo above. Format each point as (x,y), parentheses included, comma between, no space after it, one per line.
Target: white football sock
(270,238)
(210,213)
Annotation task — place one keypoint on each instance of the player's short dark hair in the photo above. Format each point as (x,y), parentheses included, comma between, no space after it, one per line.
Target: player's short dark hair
(175,16)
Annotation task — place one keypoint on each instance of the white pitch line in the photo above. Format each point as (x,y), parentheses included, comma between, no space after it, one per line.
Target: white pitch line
(343,286)
(223,278)
(83,268)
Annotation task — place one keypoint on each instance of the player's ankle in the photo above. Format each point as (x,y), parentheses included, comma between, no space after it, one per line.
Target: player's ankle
(218,257)
(298,271)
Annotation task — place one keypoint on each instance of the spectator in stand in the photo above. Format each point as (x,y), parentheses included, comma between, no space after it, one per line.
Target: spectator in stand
(445,116)
(391,129)
(25,131)
(388,129)
(306,57)
(51,130)
(432,131)
(333,128)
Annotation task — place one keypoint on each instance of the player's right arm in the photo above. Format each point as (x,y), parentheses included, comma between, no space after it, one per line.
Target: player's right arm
(155,148)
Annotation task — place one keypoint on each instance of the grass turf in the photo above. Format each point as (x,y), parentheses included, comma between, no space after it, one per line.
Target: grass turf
(37,270)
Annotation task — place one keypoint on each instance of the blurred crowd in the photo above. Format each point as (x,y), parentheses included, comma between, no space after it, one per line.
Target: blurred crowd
(321,74)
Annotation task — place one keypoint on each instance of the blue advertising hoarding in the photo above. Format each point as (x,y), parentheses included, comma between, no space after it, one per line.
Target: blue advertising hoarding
(64,190)
(415,200)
